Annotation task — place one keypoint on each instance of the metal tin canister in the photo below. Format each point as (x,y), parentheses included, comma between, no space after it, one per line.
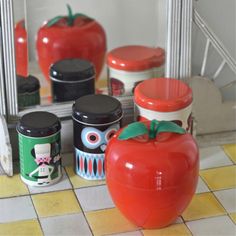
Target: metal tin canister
(96,118)
(39,148)
(71,79)
(164,99)
(28,91)
(129,65)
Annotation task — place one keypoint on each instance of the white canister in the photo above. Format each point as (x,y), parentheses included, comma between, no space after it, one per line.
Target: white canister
(129,65)
(164,99)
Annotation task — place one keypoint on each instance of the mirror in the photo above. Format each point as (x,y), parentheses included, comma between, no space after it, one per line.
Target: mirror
(124,22)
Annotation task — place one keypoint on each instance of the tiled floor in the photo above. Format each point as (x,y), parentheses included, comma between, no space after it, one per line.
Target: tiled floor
(76,206)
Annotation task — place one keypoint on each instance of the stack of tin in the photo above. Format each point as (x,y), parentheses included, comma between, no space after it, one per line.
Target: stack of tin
(127,67)
(137,91)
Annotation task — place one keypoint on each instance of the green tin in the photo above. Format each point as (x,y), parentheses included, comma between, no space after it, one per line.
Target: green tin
(39,148)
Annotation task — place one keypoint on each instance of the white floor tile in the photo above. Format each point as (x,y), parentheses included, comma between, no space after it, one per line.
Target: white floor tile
(68,225)
(222,226)
(213,157)
(228,199)
(17,208)
(64,183)
(94,198)
(201,186)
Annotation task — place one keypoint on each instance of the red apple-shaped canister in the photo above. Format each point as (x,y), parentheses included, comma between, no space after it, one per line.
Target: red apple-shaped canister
(72,36)
(21,49)
(152,172)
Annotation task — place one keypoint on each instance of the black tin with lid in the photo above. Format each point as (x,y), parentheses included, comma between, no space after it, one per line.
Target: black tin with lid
(72,79)
(95,119)
(28,91)
(39,148)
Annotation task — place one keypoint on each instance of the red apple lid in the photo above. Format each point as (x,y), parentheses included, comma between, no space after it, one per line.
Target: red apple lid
(135,58)
(163,94)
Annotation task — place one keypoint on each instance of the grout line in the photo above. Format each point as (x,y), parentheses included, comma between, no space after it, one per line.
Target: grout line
(38,218)
(205,183)
(138,230)
(228,155)
(188,228)
(231,218)
(82,212)
(87,186)
(217,167)
(208,217)
(218,200)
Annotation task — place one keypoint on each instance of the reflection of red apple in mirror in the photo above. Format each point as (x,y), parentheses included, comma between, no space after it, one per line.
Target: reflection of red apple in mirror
(152,179)
(21,49)
(74,36)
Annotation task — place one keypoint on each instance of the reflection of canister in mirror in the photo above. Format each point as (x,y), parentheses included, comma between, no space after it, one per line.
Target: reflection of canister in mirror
(129,65)
(39,148)
(72,79)
(96,118)
(28,91)
(164,99)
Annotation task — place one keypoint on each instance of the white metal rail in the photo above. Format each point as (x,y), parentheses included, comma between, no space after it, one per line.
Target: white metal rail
(2,86)
(179,38)
(212,40)
(9,56)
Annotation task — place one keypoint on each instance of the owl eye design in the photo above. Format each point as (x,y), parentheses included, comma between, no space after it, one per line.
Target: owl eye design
(110,132)
(91,137)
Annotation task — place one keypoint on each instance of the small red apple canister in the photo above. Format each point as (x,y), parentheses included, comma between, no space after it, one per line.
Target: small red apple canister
(152,172)
(128,65)
(164,99)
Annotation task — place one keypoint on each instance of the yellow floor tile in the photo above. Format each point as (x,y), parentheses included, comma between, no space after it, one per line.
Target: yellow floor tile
(233,217)
(220,178)
(202,206)
(79,182)
(172,230)
(230,150)
(56,203)
(21,228)
(108,221)
(12,186)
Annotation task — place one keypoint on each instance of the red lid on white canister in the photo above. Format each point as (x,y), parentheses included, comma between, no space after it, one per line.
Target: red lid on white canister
(135,58)
(163,94)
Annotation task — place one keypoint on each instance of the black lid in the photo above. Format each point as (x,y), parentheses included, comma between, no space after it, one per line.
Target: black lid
(72,70)
(38,124)
(97,109)
(27,84)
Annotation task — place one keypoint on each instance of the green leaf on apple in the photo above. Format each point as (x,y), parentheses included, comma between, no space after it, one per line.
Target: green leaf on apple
(133,130)
(138,129)
(54,20)
(169,126)
(70,17)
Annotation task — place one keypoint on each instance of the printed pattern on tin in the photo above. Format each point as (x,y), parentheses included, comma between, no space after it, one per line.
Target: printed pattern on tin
(90,166)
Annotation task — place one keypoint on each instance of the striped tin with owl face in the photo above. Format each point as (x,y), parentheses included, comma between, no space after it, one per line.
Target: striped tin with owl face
(96,119)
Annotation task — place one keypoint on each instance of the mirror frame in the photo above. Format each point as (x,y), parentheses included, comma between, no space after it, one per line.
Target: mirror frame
(177,65)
